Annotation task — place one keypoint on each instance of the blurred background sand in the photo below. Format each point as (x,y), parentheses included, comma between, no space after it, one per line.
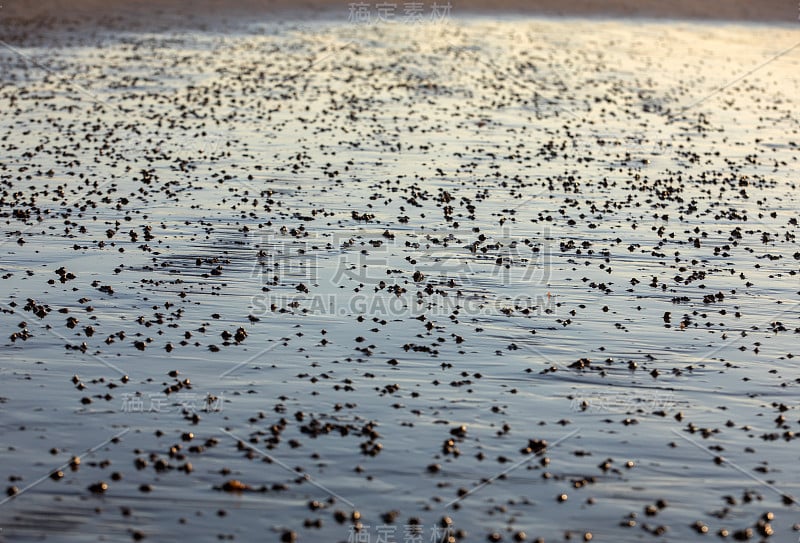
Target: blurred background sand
(735,10)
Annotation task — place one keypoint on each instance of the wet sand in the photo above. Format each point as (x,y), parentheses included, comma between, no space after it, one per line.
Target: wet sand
(496,279)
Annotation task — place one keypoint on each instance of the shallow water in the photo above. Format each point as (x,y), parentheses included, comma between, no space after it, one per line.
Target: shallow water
(547,178)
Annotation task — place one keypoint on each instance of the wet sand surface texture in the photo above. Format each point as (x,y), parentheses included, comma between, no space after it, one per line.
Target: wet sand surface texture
(477,278)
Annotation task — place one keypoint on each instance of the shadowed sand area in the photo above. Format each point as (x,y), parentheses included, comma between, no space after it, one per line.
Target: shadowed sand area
(733,10)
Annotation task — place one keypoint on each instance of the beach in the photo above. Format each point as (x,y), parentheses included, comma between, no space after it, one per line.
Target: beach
(296,272)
